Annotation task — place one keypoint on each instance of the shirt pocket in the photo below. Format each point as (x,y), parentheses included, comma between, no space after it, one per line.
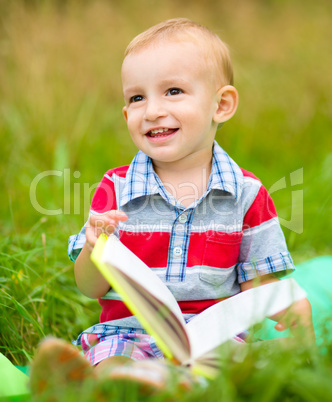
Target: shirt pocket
(221,254)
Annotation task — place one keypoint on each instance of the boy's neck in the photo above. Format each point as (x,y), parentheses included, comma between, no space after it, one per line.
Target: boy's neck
(185,180)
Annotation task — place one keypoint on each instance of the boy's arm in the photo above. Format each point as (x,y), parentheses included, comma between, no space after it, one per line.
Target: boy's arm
(88,278)
(297,317)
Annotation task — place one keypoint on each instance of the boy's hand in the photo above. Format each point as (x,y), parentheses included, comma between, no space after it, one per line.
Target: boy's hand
(298,318)
(102,223)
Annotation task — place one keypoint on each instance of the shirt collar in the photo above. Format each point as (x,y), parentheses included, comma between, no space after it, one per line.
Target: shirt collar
(225,174)
(142,180)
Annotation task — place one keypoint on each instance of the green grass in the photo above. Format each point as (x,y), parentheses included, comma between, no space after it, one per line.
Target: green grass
(60,110)
(38,295)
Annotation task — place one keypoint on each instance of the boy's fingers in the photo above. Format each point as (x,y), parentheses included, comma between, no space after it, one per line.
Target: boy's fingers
(298,318)
(279,327)
(109,227)
(109,218)
(285,319)
(92,234)
(282,326)
(96,220)
(103,223)
(117,215)
(101,226)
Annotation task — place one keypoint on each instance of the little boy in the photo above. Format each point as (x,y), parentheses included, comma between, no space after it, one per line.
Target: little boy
(205,226)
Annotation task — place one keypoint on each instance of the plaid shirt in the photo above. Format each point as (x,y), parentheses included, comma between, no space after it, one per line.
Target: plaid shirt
(202,252)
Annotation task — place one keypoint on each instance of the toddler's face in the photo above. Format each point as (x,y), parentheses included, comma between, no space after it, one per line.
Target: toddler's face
(171,100)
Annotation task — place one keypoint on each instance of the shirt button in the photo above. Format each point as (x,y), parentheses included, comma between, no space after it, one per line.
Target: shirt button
(183,218)
(177,251)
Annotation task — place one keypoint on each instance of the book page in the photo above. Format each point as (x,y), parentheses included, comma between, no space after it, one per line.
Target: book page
(156,318)
(224,320)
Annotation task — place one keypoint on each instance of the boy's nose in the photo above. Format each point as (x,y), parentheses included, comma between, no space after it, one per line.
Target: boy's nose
(154,110)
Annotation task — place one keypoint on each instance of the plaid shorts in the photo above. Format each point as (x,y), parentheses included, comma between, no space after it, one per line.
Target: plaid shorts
(102,341)
(137,346)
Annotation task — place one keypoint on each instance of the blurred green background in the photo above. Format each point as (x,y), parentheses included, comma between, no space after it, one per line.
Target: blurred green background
(60,112)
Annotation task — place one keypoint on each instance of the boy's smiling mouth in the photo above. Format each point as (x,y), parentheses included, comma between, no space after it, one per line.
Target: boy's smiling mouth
(161,132)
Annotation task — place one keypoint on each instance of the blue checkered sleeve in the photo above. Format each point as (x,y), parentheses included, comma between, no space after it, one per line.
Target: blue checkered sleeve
(280,263)
(75,244)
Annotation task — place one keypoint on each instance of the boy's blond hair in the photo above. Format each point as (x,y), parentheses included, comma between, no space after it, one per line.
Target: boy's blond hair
(216,51)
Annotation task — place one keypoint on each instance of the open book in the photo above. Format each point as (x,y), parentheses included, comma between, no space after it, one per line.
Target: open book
(195,343)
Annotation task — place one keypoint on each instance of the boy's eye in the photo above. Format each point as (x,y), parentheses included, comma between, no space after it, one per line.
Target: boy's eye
(174,91)
(136,98)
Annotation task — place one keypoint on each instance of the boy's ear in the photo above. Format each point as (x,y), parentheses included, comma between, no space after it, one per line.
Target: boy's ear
(228,99)
(124,112)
